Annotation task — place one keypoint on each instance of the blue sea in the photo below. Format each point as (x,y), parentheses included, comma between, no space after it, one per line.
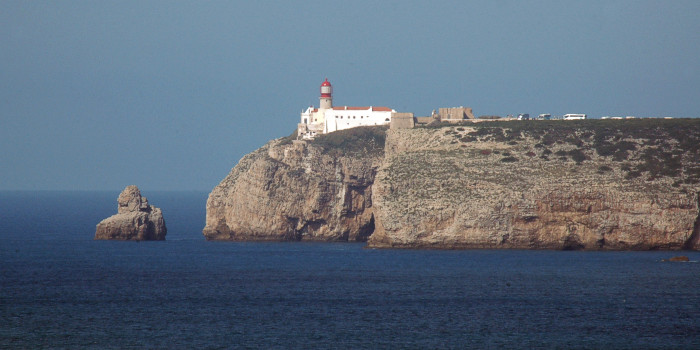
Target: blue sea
(60,289)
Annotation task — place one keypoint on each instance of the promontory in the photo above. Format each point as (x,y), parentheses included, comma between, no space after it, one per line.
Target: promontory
(578,184)
(135,219)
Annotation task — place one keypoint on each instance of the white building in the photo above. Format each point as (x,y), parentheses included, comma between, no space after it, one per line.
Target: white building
(327,118)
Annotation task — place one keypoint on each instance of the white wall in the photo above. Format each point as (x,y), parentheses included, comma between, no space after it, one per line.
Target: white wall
(346,119)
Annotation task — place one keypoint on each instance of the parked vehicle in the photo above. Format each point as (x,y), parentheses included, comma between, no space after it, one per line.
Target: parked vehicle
(572,116)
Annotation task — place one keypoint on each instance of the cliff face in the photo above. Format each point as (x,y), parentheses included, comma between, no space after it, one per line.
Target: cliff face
(295,191)
(462,187)
(533,185)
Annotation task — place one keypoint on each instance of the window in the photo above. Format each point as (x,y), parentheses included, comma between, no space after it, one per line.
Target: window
(305,121)
(353,117)
(386,120)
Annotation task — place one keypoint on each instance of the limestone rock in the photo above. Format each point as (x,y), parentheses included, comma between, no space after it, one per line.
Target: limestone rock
(135,219)
(451,188)
(680,258)
(568,186)
(295,191)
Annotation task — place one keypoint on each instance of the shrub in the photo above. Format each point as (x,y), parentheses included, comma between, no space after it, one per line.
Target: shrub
(548,140)
(603,169)
(577,155)
(632,175)
(620,156)
(509,159)
(605,148)
(659,163)
(626,146)
(573,140)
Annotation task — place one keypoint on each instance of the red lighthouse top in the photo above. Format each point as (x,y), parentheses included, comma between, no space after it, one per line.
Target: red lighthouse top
(326,89)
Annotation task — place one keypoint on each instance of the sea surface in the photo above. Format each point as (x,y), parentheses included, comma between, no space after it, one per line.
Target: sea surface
(61,289)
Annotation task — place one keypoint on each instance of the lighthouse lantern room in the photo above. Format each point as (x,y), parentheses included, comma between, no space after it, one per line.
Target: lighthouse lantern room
(326,101)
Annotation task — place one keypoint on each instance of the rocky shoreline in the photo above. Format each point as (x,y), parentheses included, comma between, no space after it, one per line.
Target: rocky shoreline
(592,185)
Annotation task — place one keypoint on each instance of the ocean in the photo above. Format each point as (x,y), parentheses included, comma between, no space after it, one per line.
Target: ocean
(60,289)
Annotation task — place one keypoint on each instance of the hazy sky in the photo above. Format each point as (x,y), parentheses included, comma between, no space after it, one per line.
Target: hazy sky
(169,95)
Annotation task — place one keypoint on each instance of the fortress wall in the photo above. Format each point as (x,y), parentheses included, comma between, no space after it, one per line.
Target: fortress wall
(402,121)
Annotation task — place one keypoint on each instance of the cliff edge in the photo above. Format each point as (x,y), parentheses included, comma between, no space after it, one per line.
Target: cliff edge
(592,184)
(297,190)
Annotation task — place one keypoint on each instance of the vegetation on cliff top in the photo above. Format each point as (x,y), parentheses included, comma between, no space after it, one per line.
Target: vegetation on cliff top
(366,140)
(646,148)
(652,148)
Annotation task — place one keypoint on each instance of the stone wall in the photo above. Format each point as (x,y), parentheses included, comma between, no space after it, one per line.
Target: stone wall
(402,121)
(455,113)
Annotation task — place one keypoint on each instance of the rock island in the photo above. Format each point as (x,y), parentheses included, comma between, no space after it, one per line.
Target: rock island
(135,219)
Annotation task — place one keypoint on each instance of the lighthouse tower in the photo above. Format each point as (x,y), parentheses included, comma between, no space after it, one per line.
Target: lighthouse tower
(326,101)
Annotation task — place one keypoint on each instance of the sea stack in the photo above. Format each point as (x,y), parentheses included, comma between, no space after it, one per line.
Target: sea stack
(135,220)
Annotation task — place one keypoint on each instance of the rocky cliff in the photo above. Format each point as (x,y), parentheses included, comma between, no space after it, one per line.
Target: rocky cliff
(529,184)
(295,190)
(135,219)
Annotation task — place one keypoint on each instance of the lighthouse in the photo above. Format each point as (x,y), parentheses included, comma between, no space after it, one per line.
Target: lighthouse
(326,100)
(327,118)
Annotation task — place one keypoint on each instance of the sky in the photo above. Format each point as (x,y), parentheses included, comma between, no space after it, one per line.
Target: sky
(169,95)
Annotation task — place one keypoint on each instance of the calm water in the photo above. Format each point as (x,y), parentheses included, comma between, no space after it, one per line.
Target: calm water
(61,289)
